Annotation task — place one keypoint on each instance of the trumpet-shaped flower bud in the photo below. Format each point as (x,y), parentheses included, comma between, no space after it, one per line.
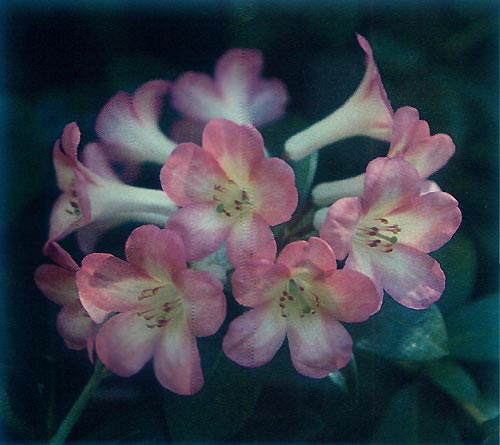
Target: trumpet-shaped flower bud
(410,140)
(366,113)
(237,92)
(97,200)
(161,307)
(388,232)
(301,296)
(229,191)
(129,125)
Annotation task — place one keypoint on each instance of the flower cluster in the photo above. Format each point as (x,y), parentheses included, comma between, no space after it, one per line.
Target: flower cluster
(220,197)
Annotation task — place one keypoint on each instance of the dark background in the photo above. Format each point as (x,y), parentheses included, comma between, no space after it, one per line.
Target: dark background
(62,63)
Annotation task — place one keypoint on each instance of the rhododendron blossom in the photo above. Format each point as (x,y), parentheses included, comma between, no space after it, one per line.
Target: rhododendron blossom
(161,308)
(237,92)
(91,199)
(366,113)
(301,296)
(228,190)
(410,140)
(128,126)
(387,233)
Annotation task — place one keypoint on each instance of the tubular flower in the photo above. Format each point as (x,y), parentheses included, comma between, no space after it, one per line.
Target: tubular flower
(366,113)
(93,196)
(237,92)
(129,125)
(302,296)
(228,190)
(388,232)
(410,140)
(57,283)
(161,308)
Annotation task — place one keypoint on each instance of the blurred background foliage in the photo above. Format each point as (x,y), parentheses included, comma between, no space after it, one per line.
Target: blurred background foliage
(429,376)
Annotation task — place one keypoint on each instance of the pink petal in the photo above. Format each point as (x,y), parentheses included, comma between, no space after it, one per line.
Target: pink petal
(61,257)
(254,338)
(314,255)
(74,325)
(249,239)
(268,102)
(352,296)
(71,139)
(148,100)
(203,301)
(177,361)
(96,161)
(158,252)
(124,343)
(64,167)
(187,130)
(340,224)
(413,278)
(111,284)
(56,283)
(430,223)
(276,197)
(389,183)
(256,282)
(190,174)
(201,228)
(237,148)
(318,345)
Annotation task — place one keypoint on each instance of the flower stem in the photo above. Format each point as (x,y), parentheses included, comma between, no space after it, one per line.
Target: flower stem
(100,372)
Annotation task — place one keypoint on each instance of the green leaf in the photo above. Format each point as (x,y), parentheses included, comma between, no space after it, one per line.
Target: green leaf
(305,169)
(458,259)
(474,330)
(219,410)
(414,417)
(399,333)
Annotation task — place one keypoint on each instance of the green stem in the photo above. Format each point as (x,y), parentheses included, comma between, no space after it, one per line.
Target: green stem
(100,372)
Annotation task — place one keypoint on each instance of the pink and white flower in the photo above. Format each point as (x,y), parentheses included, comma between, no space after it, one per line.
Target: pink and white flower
(94,196)
(237,92)
(229,191)
(301,296)
(388,232)
(57,283)
(366,113)
(410,140)
(128,125)
(161,305)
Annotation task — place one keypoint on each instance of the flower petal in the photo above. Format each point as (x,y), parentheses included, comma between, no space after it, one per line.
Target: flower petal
(340,224)
(177,361)
(158,252)
(268,103)
(56,283)
(201,228)
(203,300)
(124,343)
(74,325)
(314,255)
(318,345)
(250,238)
(276,197)
(190,174)
(413,278)
(254,338)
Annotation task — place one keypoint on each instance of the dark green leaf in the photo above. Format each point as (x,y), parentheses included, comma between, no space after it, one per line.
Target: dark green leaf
(473,330)
(399,333)
(219,410)
(305,170)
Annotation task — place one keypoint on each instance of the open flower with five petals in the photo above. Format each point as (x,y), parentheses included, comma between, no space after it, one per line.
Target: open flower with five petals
(229,191)
(161,307)
(301,296)
(388,232)
(366,113)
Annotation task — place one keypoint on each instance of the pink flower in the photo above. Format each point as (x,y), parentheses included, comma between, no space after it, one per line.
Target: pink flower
(237,92)
(301,296)
(94,196)
(161,308)
(57,283)
(228,190)
(129,125)
(389,231)
(366,113)
(410,140)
